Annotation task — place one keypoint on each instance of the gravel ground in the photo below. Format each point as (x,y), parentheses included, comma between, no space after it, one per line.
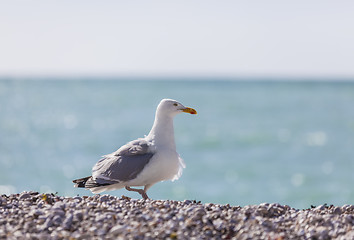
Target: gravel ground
(31,215)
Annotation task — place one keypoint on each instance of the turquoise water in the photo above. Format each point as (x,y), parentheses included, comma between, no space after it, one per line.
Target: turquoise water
(251,142)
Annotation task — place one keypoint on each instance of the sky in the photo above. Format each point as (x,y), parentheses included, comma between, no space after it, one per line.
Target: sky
(273,38)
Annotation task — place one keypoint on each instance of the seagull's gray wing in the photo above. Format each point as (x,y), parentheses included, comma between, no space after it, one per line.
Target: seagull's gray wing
(124,164)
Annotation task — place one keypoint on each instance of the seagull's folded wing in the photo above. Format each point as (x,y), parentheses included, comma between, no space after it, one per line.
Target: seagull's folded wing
(124,164)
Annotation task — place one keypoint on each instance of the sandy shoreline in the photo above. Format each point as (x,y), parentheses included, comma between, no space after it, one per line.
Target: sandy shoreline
(31,215)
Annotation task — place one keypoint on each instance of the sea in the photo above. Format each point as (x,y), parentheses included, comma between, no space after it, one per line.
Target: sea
(252,141)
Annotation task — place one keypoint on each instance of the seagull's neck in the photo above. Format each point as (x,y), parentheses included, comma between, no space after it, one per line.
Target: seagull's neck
(162,132)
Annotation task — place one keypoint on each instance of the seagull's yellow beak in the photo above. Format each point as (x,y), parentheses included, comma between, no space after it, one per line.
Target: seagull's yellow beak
(189,110)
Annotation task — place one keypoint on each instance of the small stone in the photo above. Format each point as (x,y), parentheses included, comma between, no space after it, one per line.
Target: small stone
(25,195)
(76,235)
(198,214)
(320,208)
(91,204)
(104,198)
(348,208)
(209,205)
(48,223)
(100,217)
(57,220)
(77,198)
(67,222)
(218,223)
(118,229)
(40,204)
(57,212)
(36,212)
(71,205)
(337,210)
(65,234)
(101,232)
(59,205)
(17,234)
(78,215)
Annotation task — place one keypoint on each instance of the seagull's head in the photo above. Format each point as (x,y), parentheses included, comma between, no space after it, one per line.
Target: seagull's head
(171,107)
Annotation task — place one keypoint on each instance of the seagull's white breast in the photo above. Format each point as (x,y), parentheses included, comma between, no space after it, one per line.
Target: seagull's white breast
(164,165)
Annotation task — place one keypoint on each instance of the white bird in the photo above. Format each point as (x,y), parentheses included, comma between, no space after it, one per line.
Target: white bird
(142,162)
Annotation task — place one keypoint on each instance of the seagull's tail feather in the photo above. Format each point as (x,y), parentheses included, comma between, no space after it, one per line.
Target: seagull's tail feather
(81,182)
(88,182)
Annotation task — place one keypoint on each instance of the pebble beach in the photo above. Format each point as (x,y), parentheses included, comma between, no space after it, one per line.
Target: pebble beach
(32,215)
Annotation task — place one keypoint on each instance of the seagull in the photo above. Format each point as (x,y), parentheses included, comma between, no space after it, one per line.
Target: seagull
(144,161)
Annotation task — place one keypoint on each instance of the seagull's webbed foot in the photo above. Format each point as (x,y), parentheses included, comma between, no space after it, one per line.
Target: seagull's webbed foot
(140,191)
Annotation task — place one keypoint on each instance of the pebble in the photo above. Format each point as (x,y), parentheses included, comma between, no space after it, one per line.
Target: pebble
(68,221)
(59,205)
(31,215)
(104,198)
(118,229)
(25,195)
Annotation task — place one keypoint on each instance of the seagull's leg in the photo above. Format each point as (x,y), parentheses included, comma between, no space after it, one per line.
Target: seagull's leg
(145,196)
(146,187)
(140,191)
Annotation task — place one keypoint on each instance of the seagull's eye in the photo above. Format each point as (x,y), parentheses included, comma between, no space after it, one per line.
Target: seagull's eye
(175,104)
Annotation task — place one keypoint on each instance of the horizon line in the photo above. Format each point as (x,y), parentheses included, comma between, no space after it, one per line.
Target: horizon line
(174,77)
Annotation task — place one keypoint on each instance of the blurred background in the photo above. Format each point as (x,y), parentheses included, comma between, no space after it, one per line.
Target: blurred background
(273,84)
